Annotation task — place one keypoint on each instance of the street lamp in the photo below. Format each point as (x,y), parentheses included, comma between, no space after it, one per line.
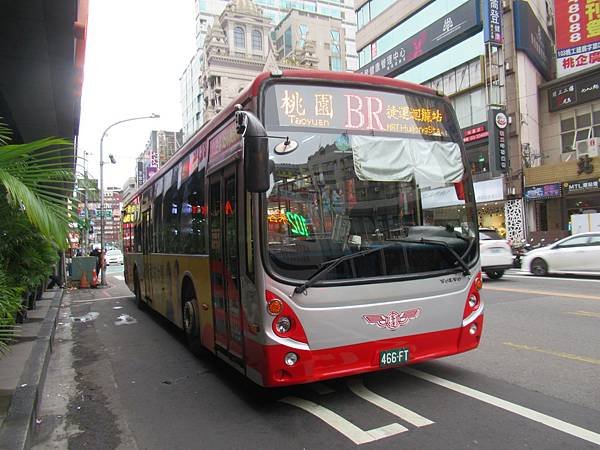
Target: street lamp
(112,160)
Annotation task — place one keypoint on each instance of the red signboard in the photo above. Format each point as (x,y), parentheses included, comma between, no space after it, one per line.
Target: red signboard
(475,133)
(577,25)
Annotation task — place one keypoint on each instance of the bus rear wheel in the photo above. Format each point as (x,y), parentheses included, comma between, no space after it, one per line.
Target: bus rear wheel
(190,326)
(139,302)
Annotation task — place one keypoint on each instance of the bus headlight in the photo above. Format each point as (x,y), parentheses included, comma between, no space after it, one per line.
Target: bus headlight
(283,324)
(290,359)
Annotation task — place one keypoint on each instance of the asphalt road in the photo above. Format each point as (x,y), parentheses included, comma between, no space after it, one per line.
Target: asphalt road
(122,378)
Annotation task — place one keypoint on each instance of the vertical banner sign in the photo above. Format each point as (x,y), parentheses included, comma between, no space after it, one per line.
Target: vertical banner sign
(140,173)
(498,142)
(492,22)
(577,25)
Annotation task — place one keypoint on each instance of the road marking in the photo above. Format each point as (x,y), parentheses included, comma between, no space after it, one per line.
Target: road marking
(584,314)
(533,277)
(357,386)
(559,354)
(343,426)
(103,298)
(119,277)
(531,414)
(548,293)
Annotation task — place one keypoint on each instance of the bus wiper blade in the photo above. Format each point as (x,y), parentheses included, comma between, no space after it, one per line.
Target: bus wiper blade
(457,257)
(328,266)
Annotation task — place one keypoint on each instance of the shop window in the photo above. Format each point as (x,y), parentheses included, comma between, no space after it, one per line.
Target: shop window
(478,160)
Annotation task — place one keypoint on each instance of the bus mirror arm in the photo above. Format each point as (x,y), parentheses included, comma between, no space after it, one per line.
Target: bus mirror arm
(256,151)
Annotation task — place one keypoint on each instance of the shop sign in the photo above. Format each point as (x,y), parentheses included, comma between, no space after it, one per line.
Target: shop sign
(544,191)
(575,93)
(577,35)
(445,32)
(498,142)
(492,21)
(531,38)
(575,187)
(475,133)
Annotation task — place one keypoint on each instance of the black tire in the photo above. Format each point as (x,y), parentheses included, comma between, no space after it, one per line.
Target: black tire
(494,274)
(190,326)
(539,267)
(139,301)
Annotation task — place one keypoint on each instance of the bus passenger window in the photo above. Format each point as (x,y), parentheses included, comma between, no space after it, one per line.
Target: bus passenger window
(193,216)
(171,211)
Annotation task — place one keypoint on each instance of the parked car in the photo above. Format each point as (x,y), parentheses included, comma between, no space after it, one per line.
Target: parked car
(578,254)
(496,253)
(114,257)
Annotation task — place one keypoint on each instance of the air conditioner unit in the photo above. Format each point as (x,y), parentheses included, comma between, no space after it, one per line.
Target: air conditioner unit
(589,147)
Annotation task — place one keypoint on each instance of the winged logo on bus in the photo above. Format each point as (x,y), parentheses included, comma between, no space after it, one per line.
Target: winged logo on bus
(393,319)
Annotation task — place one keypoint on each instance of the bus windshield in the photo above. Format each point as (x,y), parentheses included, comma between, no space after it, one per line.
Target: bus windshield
(356,170)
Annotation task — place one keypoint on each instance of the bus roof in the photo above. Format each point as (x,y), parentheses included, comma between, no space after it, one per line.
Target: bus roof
(254,88)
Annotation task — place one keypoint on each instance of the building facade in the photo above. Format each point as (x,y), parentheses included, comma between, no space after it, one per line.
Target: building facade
(311,40)
(160,147)
(208,11)
(490,58)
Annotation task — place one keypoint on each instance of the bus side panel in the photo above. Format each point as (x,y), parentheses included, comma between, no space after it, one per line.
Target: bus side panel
(131,261)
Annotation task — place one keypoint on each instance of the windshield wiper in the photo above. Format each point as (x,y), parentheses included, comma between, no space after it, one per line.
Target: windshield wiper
(456,256)
(328,266)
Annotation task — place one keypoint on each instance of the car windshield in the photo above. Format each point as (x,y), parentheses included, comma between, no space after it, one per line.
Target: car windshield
(113,252)
(486,235)
(345,191)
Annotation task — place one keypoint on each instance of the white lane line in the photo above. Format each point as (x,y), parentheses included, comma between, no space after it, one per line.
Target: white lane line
(531,414)
(357,386)
(532,277)
(119,277)
(103,298)
(343,426)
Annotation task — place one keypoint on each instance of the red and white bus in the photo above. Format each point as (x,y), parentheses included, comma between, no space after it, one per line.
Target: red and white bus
(322,225)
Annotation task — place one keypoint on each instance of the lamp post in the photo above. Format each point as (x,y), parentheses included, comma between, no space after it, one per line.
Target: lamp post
(102,265)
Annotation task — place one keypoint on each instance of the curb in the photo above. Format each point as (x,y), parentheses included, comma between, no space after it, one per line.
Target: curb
(17,430)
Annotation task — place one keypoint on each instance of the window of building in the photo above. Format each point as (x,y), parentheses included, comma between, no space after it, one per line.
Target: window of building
(287,41)
(256,40)
(303,34)
(239,39)
(578,126)
(470,108)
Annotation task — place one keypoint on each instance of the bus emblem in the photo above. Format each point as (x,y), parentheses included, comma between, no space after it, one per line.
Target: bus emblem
(393,319)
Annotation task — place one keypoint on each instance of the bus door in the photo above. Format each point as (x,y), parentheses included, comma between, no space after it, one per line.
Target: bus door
(224,264)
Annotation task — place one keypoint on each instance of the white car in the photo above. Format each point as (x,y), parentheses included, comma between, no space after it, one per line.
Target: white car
(114,257)
(496,253)
(578,254)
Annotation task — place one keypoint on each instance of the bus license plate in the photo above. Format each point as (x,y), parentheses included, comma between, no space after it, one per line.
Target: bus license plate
(393,357)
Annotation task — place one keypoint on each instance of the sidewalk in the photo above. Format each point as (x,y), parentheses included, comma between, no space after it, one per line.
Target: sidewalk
(22,371)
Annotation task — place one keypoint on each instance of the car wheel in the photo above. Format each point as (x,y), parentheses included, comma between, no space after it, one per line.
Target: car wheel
(539,267)
(494,274)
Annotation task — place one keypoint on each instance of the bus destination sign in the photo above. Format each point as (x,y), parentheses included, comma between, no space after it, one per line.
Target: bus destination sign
(353,109)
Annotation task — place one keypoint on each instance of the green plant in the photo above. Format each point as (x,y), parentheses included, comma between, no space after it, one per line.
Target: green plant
(10,305)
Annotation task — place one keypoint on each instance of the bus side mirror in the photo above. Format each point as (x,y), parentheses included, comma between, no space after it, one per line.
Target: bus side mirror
(256,151)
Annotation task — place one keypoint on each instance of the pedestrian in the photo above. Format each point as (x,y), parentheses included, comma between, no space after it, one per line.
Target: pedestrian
(96,252)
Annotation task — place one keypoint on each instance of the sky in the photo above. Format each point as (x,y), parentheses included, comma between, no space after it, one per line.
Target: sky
(136,50)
